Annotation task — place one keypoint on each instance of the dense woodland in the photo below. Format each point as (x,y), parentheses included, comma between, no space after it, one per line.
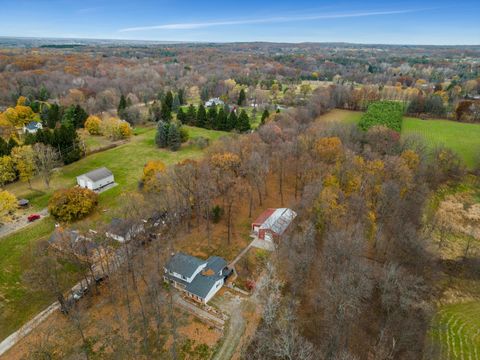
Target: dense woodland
(435,80)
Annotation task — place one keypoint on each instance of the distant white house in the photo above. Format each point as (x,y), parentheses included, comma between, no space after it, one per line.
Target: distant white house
(32,127)
(123,231)
(214,102)
(96,179)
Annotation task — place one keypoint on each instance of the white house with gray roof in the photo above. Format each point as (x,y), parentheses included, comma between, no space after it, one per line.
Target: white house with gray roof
(198,279)
(96,180)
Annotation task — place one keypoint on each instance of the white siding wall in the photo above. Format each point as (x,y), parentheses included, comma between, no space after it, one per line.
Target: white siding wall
(214,290)
(101,183)
(189,280)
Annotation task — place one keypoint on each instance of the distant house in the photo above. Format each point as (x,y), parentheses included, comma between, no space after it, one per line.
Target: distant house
(214,102)
(123,231)
(272,223)
(72,241)
(96,179)
(32,127)
(198,279)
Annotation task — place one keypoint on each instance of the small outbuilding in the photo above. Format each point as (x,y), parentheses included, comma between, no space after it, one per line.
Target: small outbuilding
(272,223)
(96,180)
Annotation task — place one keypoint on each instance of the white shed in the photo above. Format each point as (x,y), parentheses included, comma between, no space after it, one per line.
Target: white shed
(96,179)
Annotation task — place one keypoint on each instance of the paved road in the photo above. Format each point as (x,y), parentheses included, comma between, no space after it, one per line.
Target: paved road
(10,228)
(10,341)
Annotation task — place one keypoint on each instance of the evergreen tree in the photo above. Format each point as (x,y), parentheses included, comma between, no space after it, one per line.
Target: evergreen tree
(265,116)
(174,137)
(241,98)
(160,95)
(243,123)
(168,101)
(211,117)
(221,121)
(191,115)
(54,115)
(232,121)
(176,103)
(161,137)
(35,106)
(201,117)
(181,96)
(74,116)
(4,150)
(165,113)
(122,105)
(181,116)
(11,144)
(43,94)
(204,94)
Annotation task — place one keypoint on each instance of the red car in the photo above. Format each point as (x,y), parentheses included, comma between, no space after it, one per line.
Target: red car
(33,217)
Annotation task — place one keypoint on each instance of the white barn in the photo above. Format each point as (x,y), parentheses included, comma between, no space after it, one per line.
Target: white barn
(96,179)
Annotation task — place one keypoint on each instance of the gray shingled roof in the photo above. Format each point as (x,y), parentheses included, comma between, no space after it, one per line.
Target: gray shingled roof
(202,285)
(184,264)
(32,125)
(216,263)
(98,174)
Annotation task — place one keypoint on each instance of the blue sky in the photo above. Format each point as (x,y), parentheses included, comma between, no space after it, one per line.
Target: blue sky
(388,22)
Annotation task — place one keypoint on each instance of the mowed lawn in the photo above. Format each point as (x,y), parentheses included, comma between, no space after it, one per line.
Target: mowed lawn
(18,302)
(125,161)
(462,138)
(456,331)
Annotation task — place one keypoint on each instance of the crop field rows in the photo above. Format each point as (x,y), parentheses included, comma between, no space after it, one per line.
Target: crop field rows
(457,331)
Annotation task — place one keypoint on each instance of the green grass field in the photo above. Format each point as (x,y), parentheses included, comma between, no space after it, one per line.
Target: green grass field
(462,138)
(18,303)
(125,161)
(456,329)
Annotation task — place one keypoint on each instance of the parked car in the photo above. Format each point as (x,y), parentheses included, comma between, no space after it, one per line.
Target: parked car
(33,217)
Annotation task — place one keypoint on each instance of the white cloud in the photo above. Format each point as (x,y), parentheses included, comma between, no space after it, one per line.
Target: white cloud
(279,19)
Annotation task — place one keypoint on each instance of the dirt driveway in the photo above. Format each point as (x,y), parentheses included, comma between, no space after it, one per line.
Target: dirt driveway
(233,305)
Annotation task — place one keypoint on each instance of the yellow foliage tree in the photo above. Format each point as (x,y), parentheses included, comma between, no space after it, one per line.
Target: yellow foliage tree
(152,167)
(24,160)
(8,205)
(72,204)
(115,128)
(93,124)
(329,149)
(125,129)
(21,101)
(411,159)
(7,170)
(226,161)
(151,170)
